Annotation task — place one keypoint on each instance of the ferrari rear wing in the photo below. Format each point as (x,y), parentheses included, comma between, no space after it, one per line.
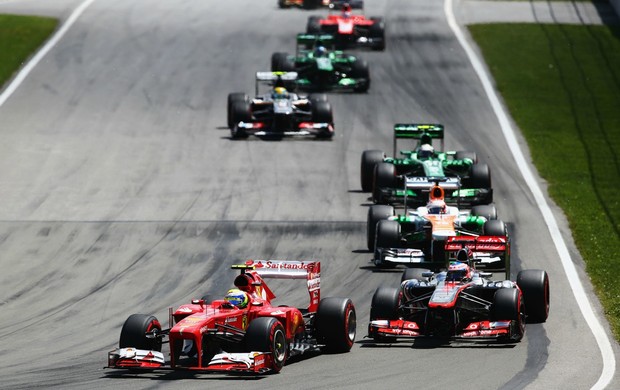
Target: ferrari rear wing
(418,131)
(290,269)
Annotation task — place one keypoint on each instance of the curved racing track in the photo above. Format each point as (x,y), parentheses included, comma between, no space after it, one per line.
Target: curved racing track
(122,193)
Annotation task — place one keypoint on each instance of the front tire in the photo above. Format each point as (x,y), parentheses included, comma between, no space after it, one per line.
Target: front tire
(370,158)
(384,304)
(384,177)
(135,328)
(376,213)
(414,273)
(266,334)
(336,324)
(232,99)
(508,306)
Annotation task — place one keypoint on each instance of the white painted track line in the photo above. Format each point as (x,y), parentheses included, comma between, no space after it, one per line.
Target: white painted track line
(25,71)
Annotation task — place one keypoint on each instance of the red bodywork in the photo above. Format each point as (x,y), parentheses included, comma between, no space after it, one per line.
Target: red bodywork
(197,320)
(346,25)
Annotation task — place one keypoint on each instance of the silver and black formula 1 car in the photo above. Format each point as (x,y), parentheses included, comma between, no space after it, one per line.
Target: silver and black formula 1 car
(460,304)
(279,112)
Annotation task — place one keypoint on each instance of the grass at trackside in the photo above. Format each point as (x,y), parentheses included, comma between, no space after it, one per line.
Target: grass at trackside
(20,36)
(561,84)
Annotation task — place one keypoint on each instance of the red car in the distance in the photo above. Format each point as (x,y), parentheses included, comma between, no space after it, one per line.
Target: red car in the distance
(350,30)
(219,335)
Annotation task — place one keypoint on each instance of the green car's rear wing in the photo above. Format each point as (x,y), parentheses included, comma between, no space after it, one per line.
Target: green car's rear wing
(417,131)
(309,41)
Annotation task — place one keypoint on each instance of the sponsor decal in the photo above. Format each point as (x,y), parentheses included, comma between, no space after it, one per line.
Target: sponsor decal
(191,320)
(314,284)
(184,309)
(276,313)
(244,322)
(231,319)
(275,264)
(260,361)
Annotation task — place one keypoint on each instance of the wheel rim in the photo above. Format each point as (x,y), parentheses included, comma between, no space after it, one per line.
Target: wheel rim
(351,325)
(279,346)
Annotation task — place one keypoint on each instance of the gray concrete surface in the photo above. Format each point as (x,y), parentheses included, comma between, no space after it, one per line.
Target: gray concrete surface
(122,193)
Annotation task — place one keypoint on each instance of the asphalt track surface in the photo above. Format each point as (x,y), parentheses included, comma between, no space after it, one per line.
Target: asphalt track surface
(122,193)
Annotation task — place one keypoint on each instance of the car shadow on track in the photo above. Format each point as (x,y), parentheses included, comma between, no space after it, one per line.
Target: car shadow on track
(431,344)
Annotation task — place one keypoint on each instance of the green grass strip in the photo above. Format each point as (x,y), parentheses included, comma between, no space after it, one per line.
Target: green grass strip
(20,36)
(561,84)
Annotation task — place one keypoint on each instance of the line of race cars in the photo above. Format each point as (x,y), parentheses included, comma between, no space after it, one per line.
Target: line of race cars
(319,65)
(433,213)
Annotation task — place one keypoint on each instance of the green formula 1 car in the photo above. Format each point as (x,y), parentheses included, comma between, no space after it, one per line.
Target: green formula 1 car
(321,69)
(391,178)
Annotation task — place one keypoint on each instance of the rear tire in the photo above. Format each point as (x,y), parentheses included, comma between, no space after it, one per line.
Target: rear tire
(133,333)
(336,324)
(280,63)
(376,213)
(370,158)
(377,32)
(460,155)
(266,334)
(359,70)
(487,211)
(494,227)
(479,177)
(314,25)
(535,287)
(312,4)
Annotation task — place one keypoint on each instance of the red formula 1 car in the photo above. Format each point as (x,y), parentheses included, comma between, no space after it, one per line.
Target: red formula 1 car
(459,304)
(242,333)
(350,30)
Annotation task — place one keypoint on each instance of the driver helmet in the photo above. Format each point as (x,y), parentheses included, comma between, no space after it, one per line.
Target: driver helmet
(426,151)
(458,271)
(280,93)
(437,207)
(346,10)
(464,255)
(237,298)
(320,51)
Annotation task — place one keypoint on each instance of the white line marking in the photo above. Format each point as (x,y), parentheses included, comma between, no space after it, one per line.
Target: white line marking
(25,71)
(609,360)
